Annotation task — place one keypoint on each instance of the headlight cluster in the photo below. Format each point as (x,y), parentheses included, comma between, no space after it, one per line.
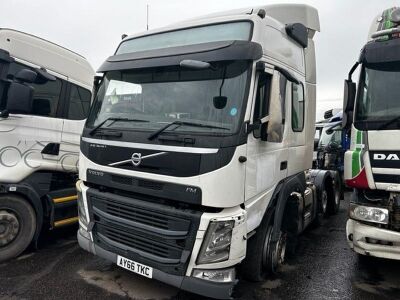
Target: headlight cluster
(81,206)
(217,244)
(369,214)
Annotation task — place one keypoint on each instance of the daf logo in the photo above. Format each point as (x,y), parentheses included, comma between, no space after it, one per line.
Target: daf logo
(381,156)
(136,159)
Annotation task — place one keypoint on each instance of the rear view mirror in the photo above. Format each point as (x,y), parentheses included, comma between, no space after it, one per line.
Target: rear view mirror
(220,102)
(19,98)
(20,93)
(348,102)
(26,75)
(316,142)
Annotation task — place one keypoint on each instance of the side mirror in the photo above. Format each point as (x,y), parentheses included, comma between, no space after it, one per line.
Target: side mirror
(260,129)
(19,98)
(26,75)
(348,102)
(316,142)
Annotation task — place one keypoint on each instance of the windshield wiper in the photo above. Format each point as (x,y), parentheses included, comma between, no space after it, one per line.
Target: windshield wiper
(181,123)
(386,124)
(113,121)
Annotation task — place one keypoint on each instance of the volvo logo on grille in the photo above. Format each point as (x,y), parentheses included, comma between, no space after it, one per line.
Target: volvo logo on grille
(136,159)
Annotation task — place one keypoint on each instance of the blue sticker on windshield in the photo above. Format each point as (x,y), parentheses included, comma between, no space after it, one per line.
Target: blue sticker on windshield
(233,111)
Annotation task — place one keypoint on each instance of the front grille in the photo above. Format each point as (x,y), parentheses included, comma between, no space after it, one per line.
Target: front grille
(157,235)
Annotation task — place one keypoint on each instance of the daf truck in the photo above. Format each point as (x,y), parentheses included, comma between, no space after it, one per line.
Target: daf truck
(45,94)
(372,165)
(195,156)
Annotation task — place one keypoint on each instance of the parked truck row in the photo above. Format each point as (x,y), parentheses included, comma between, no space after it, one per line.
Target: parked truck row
(195,161)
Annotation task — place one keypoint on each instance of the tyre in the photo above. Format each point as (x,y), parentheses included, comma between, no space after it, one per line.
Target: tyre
(17,226)
(264,256)
(334,195)
(322,209)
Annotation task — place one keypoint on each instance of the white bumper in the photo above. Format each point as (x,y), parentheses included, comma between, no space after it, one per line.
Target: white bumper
(359,244)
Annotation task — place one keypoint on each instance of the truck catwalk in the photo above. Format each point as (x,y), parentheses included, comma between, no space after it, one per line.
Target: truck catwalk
(323,268)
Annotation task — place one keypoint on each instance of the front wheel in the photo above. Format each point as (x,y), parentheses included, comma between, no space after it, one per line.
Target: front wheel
(264,256)
(17,226)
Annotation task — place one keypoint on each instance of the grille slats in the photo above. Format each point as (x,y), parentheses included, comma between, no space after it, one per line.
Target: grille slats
(157,235)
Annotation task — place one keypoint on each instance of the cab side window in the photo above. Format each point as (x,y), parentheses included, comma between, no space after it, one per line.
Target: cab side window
(78,103)
(261,106)
(297,107)
(46,96)
(262,98)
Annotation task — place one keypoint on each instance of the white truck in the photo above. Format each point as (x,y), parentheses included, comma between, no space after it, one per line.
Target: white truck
(195,156)
(372,165)
(45,95)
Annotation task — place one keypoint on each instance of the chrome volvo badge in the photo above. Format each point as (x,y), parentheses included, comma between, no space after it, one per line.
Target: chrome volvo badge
(136,159)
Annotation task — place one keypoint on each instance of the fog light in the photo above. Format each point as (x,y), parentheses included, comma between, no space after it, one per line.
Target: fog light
(223,275)
(369,214)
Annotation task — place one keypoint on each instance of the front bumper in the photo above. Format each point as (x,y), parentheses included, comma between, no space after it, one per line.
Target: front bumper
(194,285)
(358,235)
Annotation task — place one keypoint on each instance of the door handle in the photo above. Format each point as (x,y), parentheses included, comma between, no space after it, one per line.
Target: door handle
(283,165)
(51,149)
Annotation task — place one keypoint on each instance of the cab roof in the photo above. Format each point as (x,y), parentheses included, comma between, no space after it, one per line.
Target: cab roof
(43,53)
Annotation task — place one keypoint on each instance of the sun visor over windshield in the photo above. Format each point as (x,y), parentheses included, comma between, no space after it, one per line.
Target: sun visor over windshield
(208,52)
(379,52)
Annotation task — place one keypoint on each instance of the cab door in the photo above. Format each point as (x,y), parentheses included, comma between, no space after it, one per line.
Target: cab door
(76,110)
(267,150)
(29,142)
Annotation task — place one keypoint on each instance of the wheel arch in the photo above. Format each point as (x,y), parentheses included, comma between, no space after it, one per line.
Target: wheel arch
(279,202)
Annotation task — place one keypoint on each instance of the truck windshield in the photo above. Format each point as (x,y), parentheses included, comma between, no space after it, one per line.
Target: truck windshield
(379,97)
(163,95)
(332,138)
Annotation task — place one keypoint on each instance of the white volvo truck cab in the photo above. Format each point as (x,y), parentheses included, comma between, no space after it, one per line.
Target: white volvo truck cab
(195,154)
(372,165)
(45,93)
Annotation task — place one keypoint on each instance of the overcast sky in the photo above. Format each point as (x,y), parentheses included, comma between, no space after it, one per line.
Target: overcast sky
(93,28)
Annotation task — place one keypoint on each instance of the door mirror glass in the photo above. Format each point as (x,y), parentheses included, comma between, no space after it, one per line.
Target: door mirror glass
(348,102)
(349,95)
(19,98)
(26,76)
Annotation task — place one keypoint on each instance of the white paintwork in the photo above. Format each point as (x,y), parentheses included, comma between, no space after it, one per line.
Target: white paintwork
(361,231)
(384,140)
(48,55)
(253,182)
(22,137)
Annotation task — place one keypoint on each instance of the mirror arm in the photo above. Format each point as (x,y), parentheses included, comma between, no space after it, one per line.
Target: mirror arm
(355,66)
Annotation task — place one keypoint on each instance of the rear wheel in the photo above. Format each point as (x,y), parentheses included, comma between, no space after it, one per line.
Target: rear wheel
(322,208)
(17,226)
(334,195)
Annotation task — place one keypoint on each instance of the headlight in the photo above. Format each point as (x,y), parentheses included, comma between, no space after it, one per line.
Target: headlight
(81,206)
(369,214)
(217,243)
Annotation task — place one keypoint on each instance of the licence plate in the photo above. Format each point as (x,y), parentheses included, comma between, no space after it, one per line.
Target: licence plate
(135,267)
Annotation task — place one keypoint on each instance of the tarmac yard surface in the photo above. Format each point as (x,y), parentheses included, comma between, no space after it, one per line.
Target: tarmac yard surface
(324,268)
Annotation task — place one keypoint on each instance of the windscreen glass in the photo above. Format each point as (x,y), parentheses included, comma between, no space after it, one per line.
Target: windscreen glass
(330,138)
(378,98)
(213,97)
(190,36)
